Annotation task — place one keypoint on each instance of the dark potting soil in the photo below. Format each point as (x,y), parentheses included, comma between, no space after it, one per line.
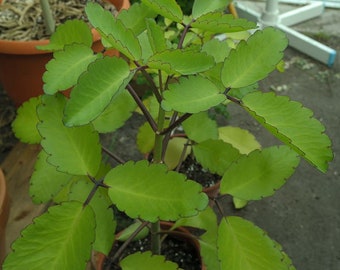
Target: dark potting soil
(194,171)
(176,250)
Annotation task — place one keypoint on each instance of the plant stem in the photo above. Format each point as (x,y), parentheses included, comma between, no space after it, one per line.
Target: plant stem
(48,17)
(112,155)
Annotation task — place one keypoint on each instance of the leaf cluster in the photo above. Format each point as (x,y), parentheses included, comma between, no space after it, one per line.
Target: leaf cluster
(188,77)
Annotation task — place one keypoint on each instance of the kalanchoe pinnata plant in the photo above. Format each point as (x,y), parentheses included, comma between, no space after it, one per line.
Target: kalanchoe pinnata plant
(188,76)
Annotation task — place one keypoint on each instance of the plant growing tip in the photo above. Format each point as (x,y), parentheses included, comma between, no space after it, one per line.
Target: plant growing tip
(189,73)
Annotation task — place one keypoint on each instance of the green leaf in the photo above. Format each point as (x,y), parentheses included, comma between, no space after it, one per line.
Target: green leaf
(147,261)
(193,127)
(167,8)
(70,32)
(127,232)
(63,71)
(145,138)
(174,152)
(114,33)
(216,48)
(58,239)
(73,150)
(116,113)
(24,125)
(260,173)
(192,94)
(253,59)
(201,7)
(182,62)
(135,17)
(100,203)
(104,79)
(240,138)
(217,22)
(293,124)
(215,155)
(156,36)
(46,181)
(242,245)
(151,192)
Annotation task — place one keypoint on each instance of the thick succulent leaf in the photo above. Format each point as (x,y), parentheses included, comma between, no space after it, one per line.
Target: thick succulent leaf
(253,59)
(167,8)
(104,79)
(74,150)
(215,155)
(240,138)
(135,17)
(114,33)
(104,217)
(24,125)
(145,138)
(260,173)
(193,127)
(174,152)
(293,124)
(242,245)
(59,239)
(46,181)
(201,7)
(217,22)
(146,47)
(63,71)
(182,62)
(192,94)
(70,32)
(151,192)
(116,113)
(128,231)
(216,48)
(156,36)
(147,261)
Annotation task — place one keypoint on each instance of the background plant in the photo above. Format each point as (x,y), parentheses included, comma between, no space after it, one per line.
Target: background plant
(188,76)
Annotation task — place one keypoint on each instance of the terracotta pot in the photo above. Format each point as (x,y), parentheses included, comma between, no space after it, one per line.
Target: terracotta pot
(22,65)
(99,258)
(4,213)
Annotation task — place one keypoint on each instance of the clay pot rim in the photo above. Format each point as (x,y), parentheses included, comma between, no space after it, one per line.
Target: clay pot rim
(29,47)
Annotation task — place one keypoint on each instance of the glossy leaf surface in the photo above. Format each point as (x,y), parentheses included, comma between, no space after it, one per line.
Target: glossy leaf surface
(293,124)
(63,71)
(266,171)
(253,59)
(147,261)
(151,192)
(104,79)
(242,245)
(182,62)
(25,123)
(167,8)
(74,150)
(59,239)
(192,95)
(114,33)
(72,31)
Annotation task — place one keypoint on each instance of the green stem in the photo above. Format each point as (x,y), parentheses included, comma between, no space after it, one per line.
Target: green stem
(48,17)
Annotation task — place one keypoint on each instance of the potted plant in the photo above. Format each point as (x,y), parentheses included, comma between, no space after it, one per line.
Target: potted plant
(188,76)
(22,64)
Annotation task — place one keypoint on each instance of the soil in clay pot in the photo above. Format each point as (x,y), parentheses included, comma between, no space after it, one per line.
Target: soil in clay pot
(23,20)
(176,250)
(193,170)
